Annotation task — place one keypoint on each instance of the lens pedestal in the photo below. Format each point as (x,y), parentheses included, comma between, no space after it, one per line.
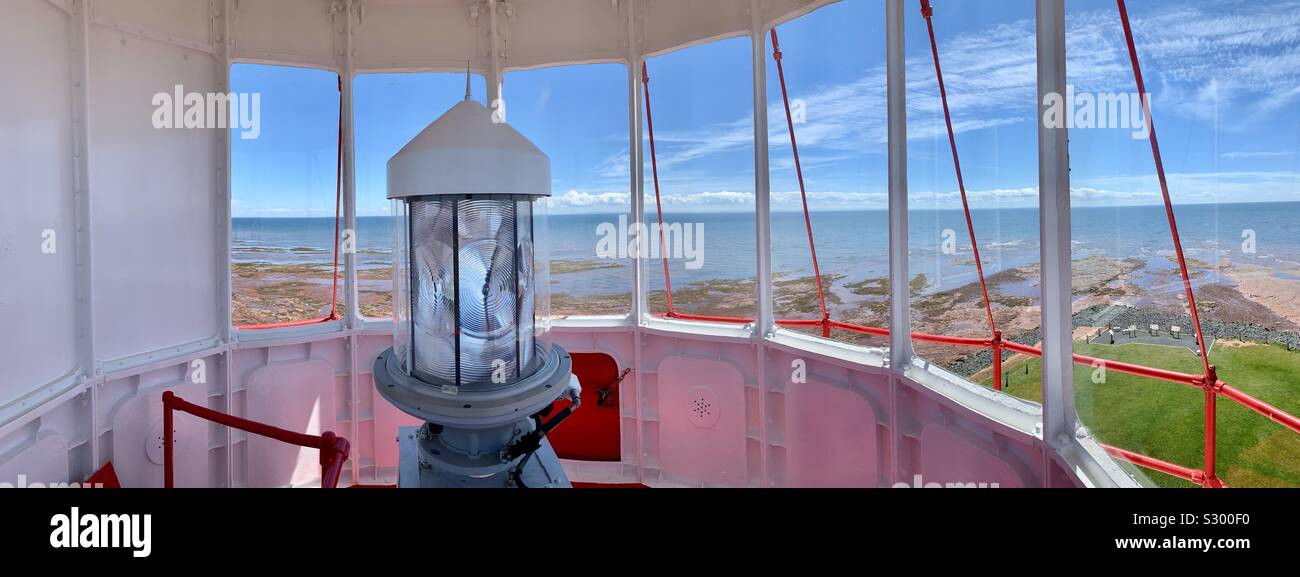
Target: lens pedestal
(467,435)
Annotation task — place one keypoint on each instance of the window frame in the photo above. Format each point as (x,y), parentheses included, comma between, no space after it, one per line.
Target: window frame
(342,270)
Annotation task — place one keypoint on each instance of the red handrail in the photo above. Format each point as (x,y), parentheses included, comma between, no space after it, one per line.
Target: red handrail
(333,448)
(1197,381)
(1155,464)
(1273,413)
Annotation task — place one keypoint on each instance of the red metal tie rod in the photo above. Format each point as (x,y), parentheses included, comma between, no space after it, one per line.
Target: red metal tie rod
(1211,382)
(338,208)
(1164,184)
(928,12)
(803,194)
(654,170)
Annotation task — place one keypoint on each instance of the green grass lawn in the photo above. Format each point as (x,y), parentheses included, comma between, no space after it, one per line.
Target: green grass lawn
(1166,420)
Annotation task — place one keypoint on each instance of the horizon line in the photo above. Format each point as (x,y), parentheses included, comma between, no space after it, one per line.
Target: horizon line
(553,212)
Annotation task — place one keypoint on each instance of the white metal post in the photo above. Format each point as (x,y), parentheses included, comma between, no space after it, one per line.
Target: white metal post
(636,188)
(84,311)
(225,319)
(900,330)
(762,227)
(1054,227)
(762,182)
(494,98)
(636,172)
(352,14)
(84,275)
(347,67)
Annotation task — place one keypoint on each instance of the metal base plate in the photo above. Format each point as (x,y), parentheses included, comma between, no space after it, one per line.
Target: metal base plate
(469,409)
(543,470)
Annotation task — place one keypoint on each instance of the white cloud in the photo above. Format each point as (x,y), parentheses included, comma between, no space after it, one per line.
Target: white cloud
(713,200)
(282,212)
(720,197)
(1207,186)
(841,200)
(678,147)
(1226,55)
(1223,57)
(1143,189)
(1259,154)
(615,166)
(575,199)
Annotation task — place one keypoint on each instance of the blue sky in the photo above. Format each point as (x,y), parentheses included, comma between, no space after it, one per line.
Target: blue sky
(1224,77)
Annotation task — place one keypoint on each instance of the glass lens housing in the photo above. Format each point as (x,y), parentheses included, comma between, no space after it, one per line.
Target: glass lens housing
(477,302)
(401,284)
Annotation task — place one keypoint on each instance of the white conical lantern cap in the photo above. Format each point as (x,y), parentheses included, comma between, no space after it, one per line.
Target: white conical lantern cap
(465,152)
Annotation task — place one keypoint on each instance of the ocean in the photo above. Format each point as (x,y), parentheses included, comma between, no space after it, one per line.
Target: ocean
(853,244)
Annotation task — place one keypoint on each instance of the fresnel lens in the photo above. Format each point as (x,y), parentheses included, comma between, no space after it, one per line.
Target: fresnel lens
(472,355)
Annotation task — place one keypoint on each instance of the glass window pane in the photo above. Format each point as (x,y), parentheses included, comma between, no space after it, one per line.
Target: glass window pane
(284,197)
(702,107)
(1221,78)
(834,65)
(987,53)
(578,116)
(389,110)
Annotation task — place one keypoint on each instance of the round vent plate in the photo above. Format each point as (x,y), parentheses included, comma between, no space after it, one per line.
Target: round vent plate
(702,407)
(153,445)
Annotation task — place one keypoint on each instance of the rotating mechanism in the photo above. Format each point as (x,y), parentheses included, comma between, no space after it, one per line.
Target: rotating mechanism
(472,355)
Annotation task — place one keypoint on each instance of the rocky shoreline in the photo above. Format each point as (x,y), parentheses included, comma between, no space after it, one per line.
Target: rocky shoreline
(1105,293)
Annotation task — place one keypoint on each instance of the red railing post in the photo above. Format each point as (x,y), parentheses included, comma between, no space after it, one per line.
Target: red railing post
(997,360)
(1211,406)
(333,452)
(326,455)
(1212,385)
(168,475)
